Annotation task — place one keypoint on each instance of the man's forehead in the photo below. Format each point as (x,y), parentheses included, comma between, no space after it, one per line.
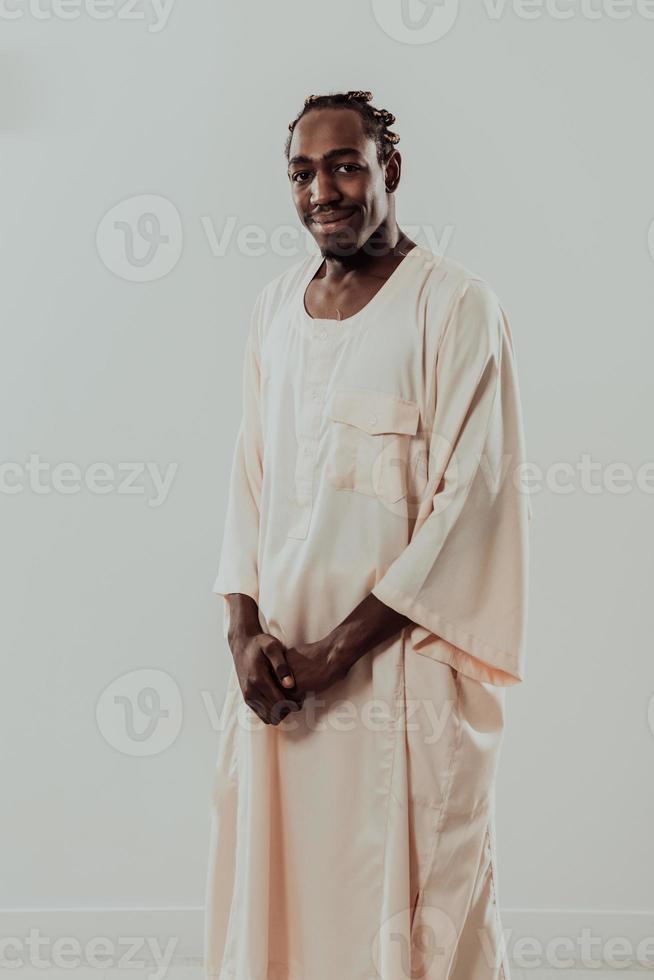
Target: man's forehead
(324,133)
(332,151)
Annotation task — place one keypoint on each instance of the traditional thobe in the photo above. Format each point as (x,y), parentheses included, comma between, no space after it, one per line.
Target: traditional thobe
(355,840)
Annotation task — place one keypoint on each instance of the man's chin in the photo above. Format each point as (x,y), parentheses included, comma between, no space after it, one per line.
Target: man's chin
(337,246)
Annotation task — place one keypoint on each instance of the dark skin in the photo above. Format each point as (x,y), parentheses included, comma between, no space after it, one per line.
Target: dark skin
(333,172)
(333,169)
(275,679)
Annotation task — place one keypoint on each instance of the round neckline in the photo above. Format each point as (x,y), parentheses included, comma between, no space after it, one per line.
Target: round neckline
(364,309)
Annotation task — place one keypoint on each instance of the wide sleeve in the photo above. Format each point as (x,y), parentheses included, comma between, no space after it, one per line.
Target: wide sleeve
(238,560)
(463,576)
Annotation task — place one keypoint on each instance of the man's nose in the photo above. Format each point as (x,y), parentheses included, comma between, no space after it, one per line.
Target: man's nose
(323,191)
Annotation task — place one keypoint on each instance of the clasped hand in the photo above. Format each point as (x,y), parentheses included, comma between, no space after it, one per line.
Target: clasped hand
(275,679)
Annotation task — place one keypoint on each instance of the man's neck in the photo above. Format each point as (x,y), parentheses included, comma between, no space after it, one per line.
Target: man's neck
(382,246)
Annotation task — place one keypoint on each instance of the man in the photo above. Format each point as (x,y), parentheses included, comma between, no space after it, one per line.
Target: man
(374,575)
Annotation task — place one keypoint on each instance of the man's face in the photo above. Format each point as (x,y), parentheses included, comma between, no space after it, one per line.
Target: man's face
(337,182)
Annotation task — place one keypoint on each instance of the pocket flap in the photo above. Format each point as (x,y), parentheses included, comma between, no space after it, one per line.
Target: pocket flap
(375,411)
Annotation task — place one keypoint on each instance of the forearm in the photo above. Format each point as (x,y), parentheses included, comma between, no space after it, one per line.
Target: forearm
(369,623)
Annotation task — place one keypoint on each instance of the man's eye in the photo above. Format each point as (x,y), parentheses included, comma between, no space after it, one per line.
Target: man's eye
(300,174)
(352,166)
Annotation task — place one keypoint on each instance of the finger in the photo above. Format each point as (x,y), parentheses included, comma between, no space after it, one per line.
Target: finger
(283,708)
(293,697)
(258,702)
(276,701)
(279,712)
(255,707)
(270,700)
(276,656)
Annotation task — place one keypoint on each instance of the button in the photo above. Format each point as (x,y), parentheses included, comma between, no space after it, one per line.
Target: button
(323,334)
(314,394)
(373,420)
(306,450)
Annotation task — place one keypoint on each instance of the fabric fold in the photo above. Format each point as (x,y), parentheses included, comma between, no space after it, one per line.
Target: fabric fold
(463,577)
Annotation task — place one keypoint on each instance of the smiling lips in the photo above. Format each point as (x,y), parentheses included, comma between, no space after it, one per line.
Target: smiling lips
(331,220)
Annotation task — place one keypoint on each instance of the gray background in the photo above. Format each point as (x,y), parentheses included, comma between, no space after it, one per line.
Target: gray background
(528,156)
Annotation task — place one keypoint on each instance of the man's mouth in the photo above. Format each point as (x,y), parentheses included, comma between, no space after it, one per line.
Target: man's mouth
(332,220)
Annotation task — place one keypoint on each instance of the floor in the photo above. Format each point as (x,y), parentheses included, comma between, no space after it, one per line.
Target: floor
(195,973)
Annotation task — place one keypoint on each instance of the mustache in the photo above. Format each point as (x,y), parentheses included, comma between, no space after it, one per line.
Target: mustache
(341,210)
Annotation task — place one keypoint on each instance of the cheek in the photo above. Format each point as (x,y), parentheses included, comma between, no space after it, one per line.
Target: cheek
(300,200)
(377,199)
(377,209)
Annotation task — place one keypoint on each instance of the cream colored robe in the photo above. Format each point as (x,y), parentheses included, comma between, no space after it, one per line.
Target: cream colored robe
(355,840)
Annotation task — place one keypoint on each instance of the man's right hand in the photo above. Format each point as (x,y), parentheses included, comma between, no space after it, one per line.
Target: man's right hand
(266,680)
(265,677)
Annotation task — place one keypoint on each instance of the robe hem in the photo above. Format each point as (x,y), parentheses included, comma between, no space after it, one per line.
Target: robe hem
(273,972)
(218,588)
(476,658)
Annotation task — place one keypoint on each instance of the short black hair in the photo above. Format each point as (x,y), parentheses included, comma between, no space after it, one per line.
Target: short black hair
(375,121)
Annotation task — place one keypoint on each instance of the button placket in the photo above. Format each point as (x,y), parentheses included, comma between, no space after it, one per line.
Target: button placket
(309,424)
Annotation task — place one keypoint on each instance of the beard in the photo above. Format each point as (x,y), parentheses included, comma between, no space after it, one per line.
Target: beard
(340,245)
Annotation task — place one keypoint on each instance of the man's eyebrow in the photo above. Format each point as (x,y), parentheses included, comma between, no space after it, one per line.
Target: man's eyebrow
(339,151)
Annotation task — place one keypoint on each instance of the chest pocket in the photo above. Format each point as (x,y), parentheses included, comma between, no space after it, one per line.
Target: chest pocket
(370,436)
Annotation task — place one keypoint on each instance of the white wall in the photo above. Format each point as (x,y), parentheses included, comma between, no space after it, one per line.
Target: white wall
(528,152)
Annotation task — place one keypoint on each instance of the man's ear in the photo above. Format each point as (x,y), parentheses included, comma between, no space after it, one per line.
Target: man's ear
(393,171)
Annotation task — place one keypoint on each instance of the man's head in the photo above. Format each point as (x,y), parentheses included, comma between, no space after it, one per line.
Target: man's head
(342,163)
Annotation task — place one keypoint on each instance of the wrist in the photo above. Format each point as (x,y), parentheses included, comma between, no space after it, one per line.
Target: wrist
(243,619)
(346,645)
(369,624)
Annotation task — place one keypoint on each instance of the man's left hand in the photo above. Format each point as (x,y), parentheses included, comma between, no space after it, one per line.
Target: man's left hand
(316,666)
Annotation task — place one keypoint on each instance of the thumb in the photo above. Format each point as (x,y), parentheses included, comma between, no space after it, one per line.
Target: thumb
(276,654)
